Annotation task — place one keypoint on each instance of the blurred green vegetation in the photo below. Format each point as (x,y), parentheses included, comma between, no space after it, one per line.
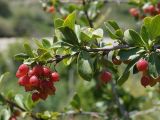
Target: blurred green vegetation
(27,18)
(18,19)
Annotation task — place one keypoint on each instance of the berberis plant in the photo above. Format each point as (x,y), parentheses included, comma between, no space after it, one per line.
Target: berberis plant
(85,46)
(95,59)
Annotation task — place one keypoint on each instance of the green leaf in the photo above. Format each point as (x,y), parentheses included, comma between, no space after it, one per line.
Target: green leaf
(110,33)
(58,23)
(41,51)
(29,104)
(154,65)
(113,24)
(38,43)
(126,54)
(2,99)
(46,43)
(6,113)
(126,72)
(70,20)
(78,32)
(144,34)
(124,78)
(76,102)
(86,34)
(135,70)
(68,61)
(157,59)
(136,38)
(155,27)
(119,33)
(45,56)
(69,36)
(3,76)
(84,66)
(147,23)
(98,33)
(19,100)
(28,50)
(21,56)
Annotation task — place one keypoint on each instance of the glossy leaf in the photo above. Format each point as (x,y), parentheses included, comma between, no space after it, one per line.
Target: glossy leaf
(126,54)
(126,72)
(21,56)
(46,43)
(2,77)
(70,20)
(84,66)
(113,24)
(28,50)
(19,101)
(136,38)
(110,33)
(155,27)
(144,34)
(76,102)
(154,65)
(58,23)
(69,36)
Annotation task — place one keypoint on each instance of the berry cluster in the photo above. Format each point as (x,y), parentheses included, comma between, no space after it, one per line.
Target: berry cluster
(147,10)
(106,77)
(142,65)
(40,80)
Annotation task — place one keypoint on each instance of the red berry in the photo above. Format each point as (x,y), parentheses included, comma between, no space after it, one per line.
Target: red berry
(28,88)
(55,76)
(23,69)
(134,12)
(37,70)
(116,61)
(30,73)
(35,96)
(145,80)
(18,74)
(106,76)
(142,65)
(152,8)
(51,9)
(23,81)
(46,71)
(51,91)
(43,96)
(34,81)
(13,118)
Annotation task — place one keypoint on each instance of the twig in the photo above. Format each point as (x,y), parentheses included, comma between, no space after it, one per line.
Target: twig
(11,103)
(94,114)
(86,14)
(105,1)
(107,49)
(134,114)
(123,112)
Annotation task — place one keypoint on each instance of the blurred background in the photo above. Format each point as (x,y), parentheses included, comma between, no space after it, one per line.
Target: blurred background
(24,20)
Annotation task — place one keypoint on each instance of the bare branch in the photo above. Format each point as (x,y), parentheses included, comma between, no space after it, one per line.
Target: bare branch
(134,114)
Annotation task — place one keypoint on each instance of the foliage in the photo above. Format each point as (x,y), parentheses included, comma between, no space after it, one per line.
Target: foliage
(84,48)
